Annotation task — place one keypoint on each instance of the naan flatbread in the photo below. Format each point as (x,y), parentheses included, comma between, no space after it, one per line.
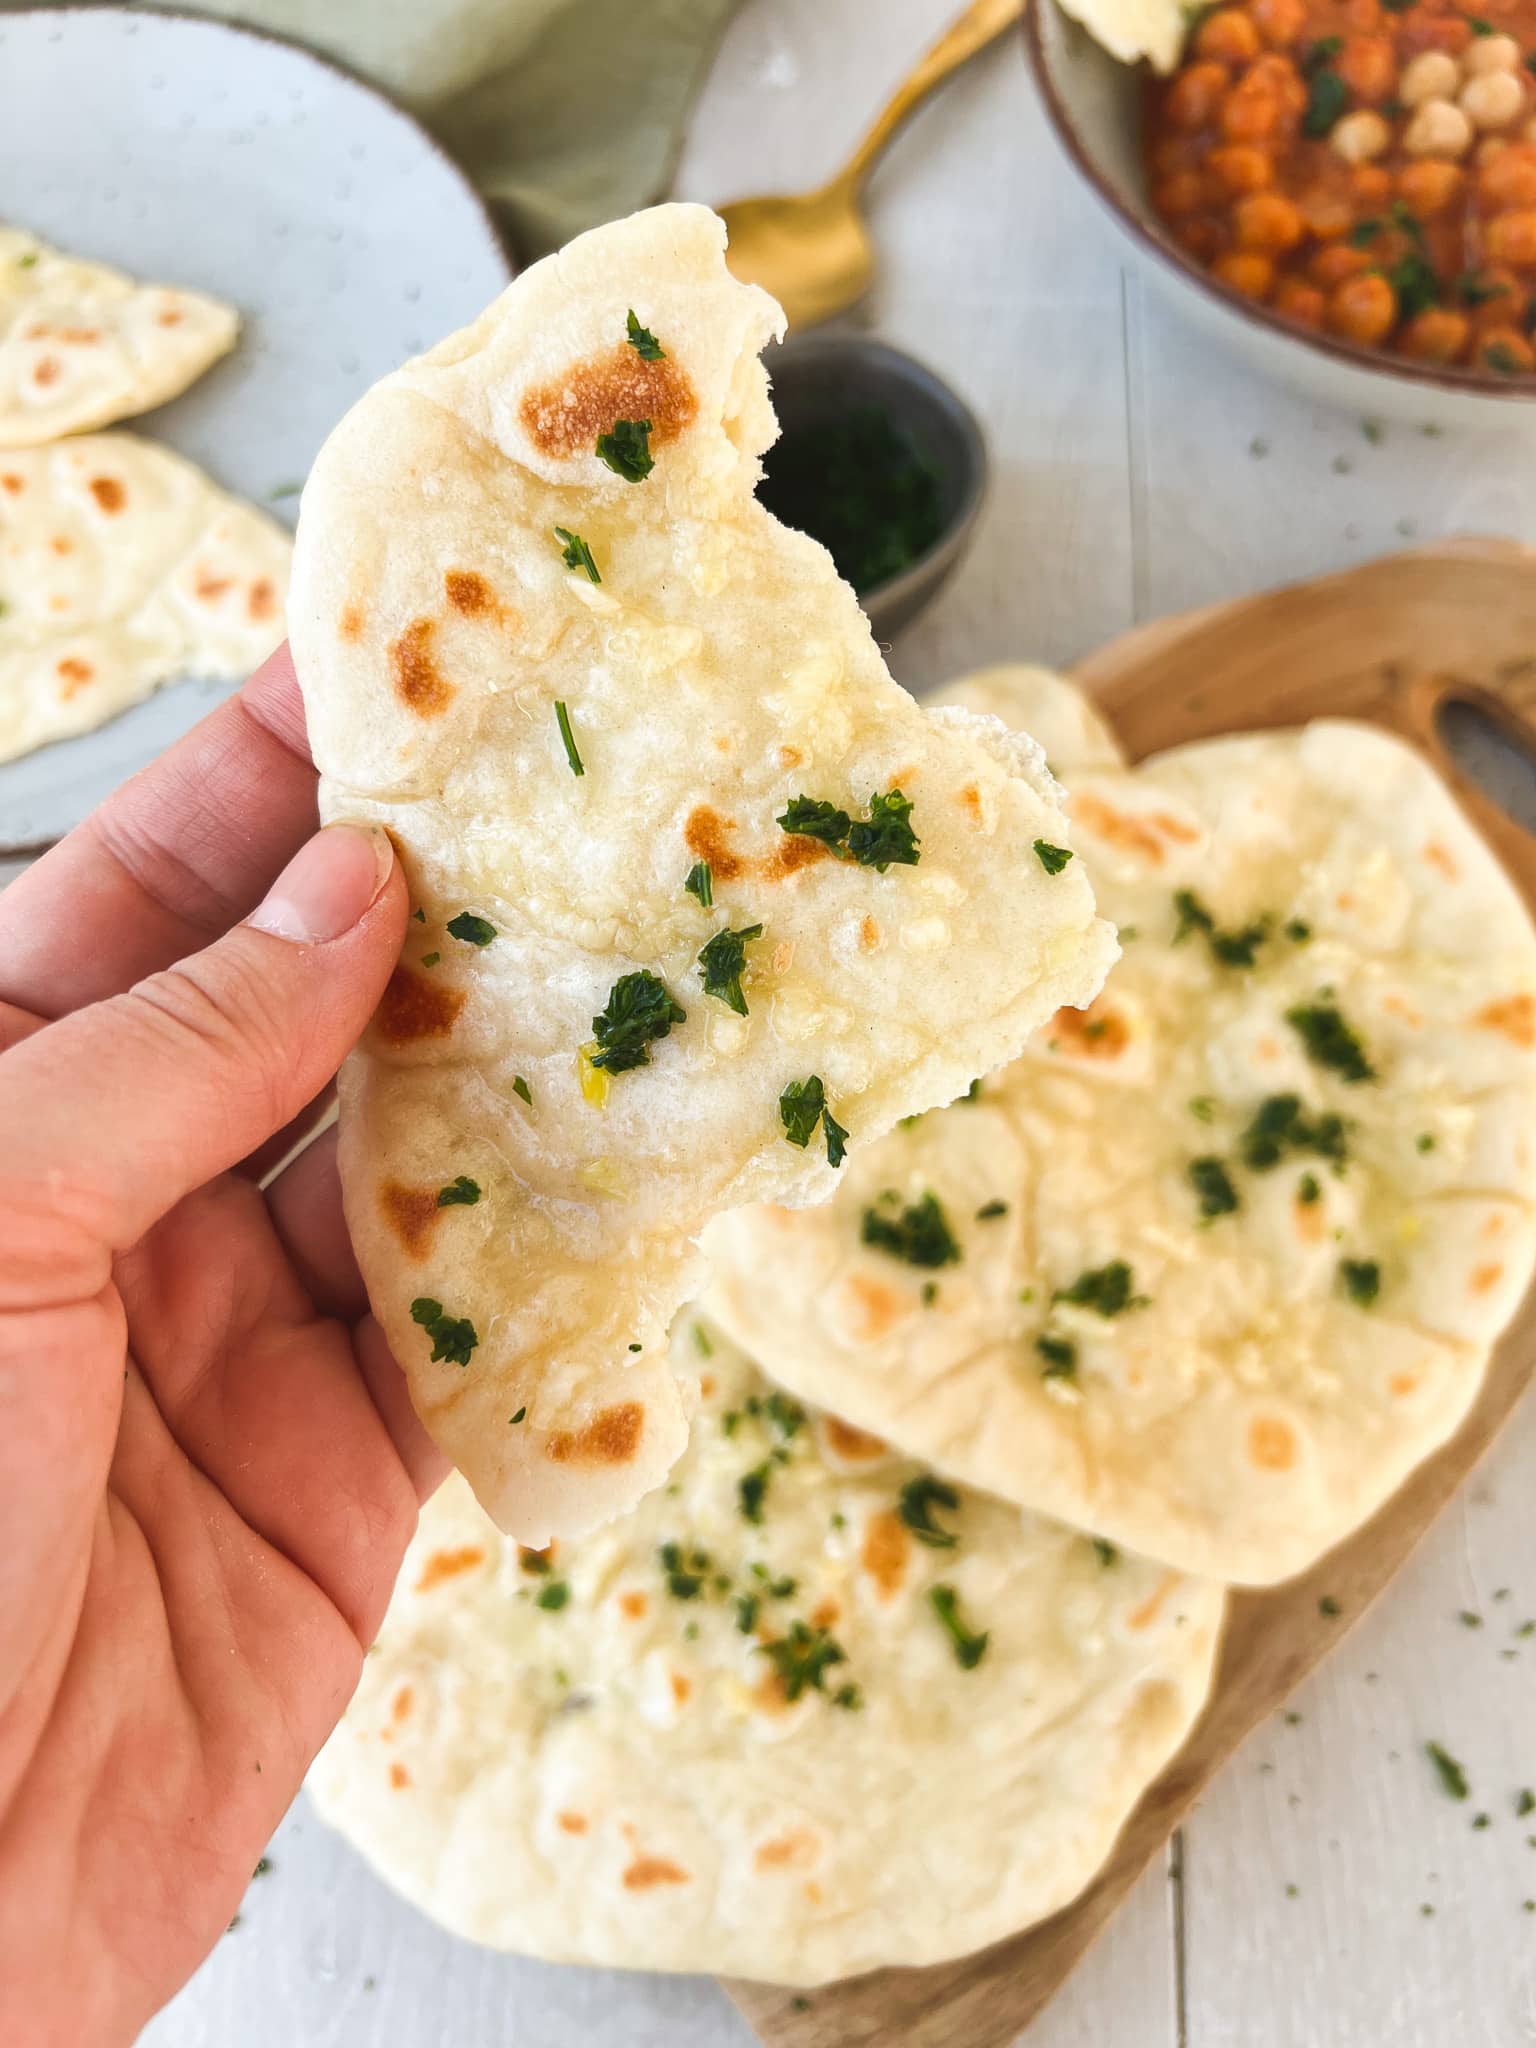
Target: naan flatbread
(81,345)
(123,567)
(568,766)
(1133,29)
(591,1754)
(1295,1199)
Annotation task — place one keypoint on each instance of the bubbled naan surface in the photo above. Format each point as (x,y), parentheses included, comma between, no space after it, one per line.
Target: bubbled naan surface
(620,1779)
(719,669)
(1251,1412)
(82,345)
(123,567)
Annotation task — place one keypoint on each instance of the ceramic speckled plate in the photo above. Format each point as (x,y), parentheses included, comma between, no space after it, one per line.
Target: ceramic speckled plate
(192,153)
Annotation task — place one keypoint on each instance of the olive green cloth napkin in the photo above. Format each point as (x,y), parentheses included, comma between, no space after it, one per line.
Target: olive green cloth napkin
(564,112)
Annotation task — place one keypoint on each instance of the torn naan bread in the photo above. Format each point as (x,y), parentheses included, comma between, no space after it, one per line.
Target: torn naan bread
(655,796)
(1221,1259)
(806,1713)
(123,567)
(81,345)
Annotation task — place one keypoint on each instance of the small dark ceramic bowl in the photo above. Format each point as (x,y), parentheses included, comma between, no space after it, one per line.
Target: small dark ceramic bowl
(824,378)
(1094,104)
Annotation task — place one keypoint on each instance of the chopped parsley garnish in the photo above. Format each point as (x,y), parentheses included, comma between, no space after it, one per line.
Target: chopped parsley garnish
(1327,100)
(1201,1108)
(920,1234)
(1424,1142)
(784,1588)
(1104,1551)
(553,1596)
(1473,290)
(1279,1126)
(1499,356)
(884,839)
(1329,1042)
(700,882)
(639,1010)
(420,916)
(576,554)
(1297,930)
(1361,1280)
(1230,949)
(815,818)
(520,1416)
(1322,51)
(1452,1776)
(461,1191)
(752,1491)
(1308,1190)
(989,1211)
(627,450)
(1060,1355)
(568,738)
(684,1571)
(471,929)
(919,1497)
(701,1341)
(1107,1290)
(1416,282)
(970,1648)
(430,959)
(453,1337)
(1052,858)
(1525,1803)
(803,1105)
(26,262)
(1329,1608)
(1478,26)
(1213,1185)
(930,1293)
(786,1415)
(520,1087)
(802,1659)
(852,1698)
(641,340)
(721,962)
(747,1605)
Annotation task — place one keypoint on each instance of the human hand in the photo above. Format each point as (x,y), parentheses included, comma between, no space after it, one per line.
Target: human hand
(209,1467)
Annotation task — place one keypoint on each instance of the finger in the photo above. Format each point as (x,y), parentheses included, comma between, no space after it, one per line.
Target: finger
(15,1025)
(304,1203)
(268,1157)
(172,859)
(425,1464)
(114,1113)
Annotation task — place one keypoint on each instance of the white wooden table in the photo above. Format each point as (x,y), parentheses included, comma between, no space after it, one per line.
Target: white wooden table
(1136,474)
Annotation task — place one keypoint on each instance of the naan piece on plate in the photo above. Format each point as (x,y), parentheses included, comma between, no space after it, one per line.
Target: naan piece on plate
(702,896)
(123,567)
(805,1713)
(82,345)
(1218,1262)
(1133,29)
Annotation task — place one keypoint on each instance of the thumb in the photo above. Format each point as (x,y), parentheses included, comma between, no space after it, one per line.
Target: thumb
(118,1110)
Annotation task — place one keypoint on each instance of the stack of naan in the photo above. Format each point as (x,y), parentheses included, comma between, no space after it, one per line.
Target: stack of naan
(122,566)
(994,1383)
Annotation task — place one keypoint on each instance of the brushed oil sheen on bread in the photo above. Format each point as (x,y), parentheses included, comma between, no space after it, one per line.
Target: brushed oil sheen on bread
(1218,1262)
(703,900)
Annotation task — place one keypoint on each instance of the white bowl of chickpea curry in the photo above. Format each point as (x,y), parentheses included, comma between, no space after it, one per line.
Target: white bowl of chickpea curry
(1346,189)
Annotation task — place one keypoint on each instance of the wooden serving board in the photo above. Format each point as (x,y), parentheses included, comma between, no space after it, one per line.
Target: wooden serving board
(1394,643)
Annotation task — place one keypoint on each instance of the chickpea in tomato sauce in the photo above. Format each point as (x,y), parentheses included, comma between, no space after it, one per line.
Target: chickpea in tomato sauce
(1365,167)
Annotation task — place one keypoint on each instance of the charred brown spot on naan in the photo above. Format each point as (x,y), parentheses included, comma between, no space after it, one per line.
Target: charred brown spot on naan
(825,1614)
(634,1606)
(853,1446)
(682,1689)
(566,415)
(1098,1033)
(1271,1444)
(351,622)
(791,855)
(400,1707)
(12,483)
(108,493)
(210,588)
(1402,1384)
(443,1565)
(47,371)
(1441,858)
(412,1214)
(419,683)
(571,1823)
(797,1850)
(1150,836)
(62,544)
(612,1437)
(468,592)
(970,802)
(790,757)
(399,1777)
(73,675)
(1514,1018)
(884,1553)
(705,835)
(1144,1616)
(869,933)
(261,600)
(171,317)
(1486,1278)
(1311,1223)
(876,1308)
(646,1872)
(413,1008)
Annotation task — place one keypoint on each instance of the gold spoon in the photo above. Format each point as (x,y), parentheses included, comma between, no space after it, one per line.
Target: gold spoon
(812,250)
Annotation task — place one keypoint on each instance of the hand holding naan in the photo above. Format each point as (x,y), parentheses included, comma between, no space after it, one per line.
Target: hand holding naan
(209,1468)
